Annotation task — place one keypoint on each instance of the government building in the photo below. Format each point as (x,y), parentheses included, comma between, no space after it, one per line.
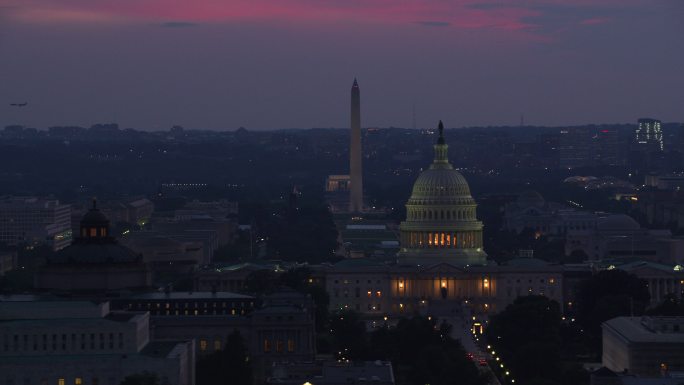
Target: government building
(441,263)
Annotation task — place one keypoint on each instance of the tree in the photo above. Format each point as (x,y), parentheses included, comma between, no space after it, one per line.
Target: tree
(300,279)
(349,337)
(423,352)
(606,295)
(261,282)
(527,336)
(671,306)
(229,365)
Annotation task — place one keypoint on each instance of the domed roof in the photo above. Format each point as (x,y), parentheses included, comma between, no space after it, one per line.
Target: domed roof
(618,222)
(94,217)
(94,245)
(440,182)
(441,223)
(530,198)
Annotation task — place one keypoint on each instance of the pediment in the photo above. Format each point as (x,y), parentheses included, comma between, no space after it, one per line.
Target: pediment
(444,267)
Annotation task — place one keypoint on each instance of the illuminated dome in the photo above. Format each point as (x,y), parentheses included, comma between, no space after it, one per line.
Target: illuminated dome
(441,223)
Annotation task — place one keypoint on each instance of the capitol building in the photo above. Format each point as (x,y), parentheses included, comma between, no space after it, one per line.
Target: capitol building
(441,223)
(441,262)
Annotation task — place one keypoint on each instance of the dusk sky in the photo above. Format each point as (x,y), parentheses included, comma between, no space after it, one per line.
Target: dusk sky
(266,64)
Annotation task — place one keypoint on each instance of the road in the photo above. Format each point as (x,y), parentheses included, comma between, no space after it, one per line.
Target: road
(460,320)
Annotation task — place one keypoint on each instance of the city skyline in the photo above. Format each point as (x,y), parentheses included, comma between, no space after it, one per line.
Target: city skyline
(263,66)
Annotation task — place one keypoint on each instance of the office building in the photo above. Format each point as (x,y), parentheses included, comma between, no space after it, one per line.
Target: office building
(644,346)
(54,342)
(31,220)
(649,134)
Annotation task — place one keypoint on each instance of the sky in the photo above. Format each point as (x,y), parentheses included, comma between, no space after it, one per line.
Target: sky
(268,64)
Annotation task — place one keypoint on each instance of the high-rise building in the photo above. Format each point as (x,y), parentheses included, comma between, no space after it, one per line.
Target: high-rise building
(355,168)
(649,132)
(575,147)
(35,220)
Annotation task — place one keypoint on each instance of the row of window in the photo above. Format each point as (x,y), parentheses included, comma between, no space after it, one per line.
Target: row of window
(529,280)
(357,307)
(357,293)
(278,346)
(348,281)
(63,381)
(82,341)
(185,305)
(460,240)
(418,215)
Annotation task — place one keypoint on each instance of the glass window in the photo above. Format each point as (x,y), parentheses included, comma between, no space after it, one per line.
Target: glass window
(60,381)
(290,346)
(78,381)
(217,345)
(203,345)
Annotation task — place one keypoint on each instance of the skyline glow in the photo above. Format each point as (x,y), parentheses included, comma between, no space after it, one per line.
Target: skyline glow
(264,64)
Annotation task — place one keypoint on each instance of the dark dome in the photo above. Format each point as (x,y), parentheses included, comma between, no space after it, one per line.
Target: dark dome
(618,222)
(530,198)
(94,217)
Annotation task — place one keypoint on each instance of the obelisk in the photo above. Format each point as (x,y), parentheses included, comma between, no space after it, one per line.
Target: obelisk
(355,169)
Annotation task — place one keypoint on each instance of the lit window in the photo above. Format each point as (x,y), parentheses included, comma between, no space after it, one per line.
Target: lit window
(93,232)
(290,346)
(60,381)
(279,346)
(267,346)
(203,345)
(78,381)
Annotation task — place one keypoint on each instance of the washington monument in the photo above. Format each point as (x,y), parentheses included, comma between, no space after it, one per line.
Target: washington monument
(355,169)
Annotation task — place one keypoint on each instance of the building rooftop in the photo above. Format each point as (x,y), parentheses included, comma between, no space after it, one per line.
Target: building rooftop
(190,295)
(648,329)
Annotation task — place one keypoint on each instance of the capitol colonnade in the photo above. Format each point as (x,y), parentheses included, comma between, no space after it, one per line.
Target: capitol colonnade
(442,239)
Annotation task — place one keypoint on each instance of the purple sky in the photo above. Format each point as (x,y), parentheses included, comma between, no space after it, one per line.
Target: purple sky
(221,64)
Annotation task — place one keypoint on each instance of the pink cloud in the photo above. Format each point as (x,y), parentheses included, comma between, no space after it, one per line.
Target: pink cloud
(458,14)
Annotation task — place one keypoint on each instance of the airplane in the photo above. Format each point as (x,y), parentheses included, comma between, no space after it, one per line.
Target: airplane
(19,104)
